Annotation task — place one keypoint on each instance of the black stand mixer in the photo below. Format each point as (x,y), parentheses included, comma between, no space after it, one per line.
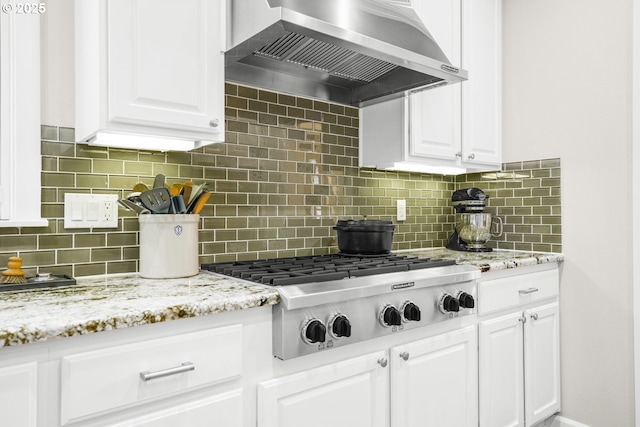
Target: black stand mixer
(473,225)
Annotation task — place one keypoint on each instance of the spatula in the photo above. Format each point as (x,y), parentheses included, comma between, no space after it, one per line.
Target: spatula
(200,201)
(157,200)
(158,182)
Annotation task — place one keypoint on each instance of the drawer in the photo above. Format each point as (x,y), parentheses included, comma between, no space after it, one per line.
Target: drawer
(106,379)
(225,409)
(513,291)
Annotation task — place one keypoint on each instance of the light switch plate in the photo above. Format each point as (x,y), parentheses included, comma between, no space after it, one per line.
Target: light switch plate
(401,210)
(90,210)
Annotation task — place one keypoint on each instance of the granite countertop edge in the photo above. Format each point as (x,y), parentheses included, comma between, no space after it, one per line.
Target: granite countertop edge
(496,260)
(101,303)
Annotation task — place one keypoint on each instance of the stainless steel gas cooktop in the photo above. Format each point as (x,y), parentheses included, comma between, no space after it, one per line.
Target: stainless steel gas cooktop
(334,300)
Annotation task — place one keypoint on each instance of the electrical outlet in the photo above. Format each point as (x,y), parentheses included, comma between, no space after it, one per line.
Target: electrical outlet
(90,210)
(401,210)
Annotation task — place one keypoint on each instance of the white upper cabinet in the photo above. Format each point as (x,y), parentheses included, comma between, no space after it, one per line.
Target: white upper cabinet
(434,115)
(20,117)
(150,73)
(452,129)
(482,93)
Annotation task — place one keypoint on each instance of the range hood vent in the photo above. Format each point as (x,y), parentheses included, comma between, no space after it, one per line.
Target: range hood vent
(354,52)
(318,55)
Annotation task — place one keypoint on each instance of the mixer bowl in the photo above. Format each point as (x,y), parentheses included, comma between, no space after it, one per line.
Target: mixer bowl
(475,228)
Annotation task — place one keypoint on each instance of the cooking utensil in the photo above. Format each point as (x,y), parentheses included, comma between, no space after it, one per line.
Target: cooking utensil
(157,200)
(140,187)
(200,202)
(366,237)
(196,191)
(186,192)
(158,182)
(123,205)
(177,204)
(133,207)
(175,189)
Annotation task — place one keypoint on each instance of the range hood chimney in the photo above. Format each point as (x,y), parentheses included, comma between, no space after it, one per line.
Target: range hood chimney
(353,52)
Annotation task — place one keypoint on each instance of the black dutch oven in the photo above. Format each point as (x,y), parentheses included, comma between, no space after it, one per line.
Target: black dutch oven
(366,237)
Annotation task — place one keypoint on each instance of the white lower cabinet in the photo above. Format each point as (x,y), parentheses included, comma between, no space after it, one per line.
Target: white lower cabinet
(428,383)
(434,382)
(350,393)
(223,410)
(519,356)
(107,379)
(541,362)
(19,395)
(196,372)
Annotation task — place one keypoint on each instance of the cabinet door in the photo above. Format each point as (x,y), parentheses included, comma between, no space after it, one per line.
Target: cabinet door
(501,372)
(20,161)
(352,393)
(165,63)
(434,382)
(482,93)
(220,410)
(18,395)
(435,114)
(542,362)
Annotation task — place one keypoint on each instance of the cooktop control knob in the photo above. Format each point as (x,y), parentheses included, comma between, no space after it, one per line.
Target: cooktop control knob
(410,312)
(449,304)
(314,331)
(466,300)
(390,316)
(340,326)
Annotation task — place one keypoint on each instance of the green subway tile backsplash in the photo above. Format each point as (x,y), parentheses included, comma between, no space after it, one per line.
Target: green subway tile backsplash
(286,173)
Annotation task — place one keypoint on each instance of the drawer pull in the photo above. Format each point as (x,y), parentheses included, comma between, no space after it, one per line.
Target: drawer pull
(528,291)
(185,367)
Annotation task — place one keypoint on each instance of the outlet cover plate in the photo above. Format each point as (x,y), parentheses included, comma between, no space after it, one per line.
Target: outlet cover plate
(90,210)
(401,210)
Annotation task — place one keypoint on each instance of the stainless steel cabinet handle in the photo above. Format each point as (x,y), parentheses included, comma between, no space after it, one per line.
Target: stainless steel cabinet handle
(471,156)
(382,362)
(522,319)
(534,316)
(459,154)
(404,355)
(185,367)
(214,123)
(528,291)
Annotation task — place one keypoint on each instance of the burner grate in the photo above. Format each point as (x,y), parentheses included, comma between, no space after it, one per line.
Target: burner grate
(321,268)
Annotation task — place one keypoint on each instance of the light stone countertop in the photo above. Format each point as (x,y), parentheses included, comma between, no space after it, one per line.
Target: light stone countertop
(103,303)
(108,302)
(498,259)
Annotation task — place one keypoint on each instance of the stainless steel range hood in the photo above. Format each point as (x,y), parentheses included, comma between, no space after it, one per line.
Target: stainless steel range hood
(354,52)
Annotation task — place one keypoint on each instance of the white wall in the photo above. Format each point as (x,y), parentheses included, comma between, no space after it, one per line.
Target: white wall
(636,194)
(567,94)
